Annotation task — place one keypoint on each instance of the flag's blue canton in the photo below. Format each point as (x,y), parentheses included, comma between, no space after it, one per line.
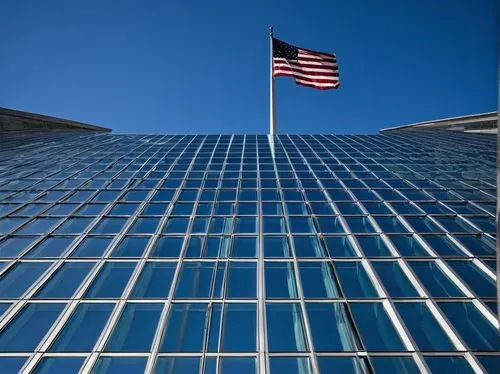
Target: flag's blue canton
(284,50)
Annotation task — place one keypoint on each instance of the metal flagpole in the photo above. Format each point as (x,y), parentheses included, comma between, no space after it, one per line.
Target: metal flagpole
(272,119)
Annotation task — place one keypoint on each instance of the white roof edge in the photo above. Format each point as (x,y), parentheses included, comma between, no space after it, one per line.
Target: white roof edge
(478,116)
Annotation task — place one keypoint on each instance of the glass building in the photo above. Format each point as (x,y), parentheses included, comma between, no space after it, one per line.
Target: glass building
(245,254)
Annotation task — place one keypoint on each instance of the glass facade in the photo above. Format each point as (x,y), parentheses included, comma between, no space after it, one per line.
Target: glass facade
(222,254)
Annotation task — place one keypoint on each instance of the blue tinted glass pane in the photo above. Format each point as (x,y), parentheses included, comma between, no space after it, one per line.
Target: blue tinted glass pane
(12,247)
(476,331)
(83,328)
(120,365)
(135,329)
(185,328)
(92,247)
(339,246)
(354,280)
(308,246)
(50,247)
(74,225)
(408,246)
(65,281)
(242,279)
(394,279)
(423,327)
(285,365)
(111,280)
(144,226)
(177,365)
(130,247)
(240,332)
(109,225)
(373,246)
(59,365)
(12,365)
(167,247)
(318,280)
(331,328)
(433,278)
(476,279)
(39,226)
(490,363)
(280,280)
(4,307)
(394,364)
(195,280)
(240,365)
(344,365)
(154,281)
(20,277)
(456,365)
(376,329)
(244,247)
(443,245)
(285,331)
(276,246)
(479,245)
(24,333)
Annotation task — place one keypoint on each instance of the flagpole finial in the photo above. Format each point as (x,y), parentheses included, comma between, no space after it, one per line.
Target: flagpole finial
(271,30)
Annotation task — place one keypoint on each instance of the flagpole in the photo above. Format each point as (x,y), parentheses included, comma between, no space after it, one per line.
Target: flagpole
(272,119)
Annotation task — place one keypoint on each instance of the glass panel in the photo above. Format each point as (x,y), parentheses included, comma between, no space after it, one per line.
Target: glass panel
(177,365)
(130,247)
(83,328)
(331,329)
(240,365)
(185,328)
(120,365)
(12,365)
(285,331)
(29,326)
(318,280)
(394,279)
(344,365)
(476,279)
(456,365)
(92,247)
(476,331)
(284,365)
(394,364)
(20,277)
(308,246)
(50,247)
(376,329)
(242,280)
(280,280)
(67,279)
(12,247)
(135,329)
(276,246)
(340,246)
(423,327)
(354,280)
(433,278)
(239,332)
(195,280)
(111,280)
(373,246)
(154,281)
(167,247)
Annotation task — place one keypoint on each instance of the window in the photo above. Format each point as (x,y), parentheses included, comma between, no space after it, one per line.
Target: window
(67,279)
(281,365)
(331,329)
(423,327)
(185,328)
(28,327)
(154,280)
(20,277)
(130,246)
(111,280)
(339,246)
(244,247)
(345,365)
(476,279)
(52,246)
(354,280)
(59,365)
(280,280)
(394,279)
(285,331)
(83,328)
(433,278)
(195,280)
(318,280)
(242,278)
(135,329)
(167,246)
(451,364)
(119,365)
(177,365)
(276,246)
(375,327)
(308,246)
(373,246)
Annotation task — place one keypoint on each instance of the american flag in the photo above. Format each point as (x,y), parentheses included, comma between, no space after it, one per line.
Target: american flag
(309,68)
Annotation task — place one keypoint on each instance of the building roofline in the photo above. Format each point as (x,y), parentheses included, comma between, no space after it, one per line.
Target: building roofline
(14,120)
(487,116)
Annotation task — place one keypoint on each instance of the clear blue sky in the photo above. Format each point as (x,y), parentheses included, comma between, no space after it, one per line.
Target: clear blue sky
(203,66)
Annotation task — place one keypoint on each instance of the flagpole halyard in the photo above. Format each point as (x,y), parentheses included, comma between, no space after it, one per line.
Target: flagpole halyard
(272,118)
